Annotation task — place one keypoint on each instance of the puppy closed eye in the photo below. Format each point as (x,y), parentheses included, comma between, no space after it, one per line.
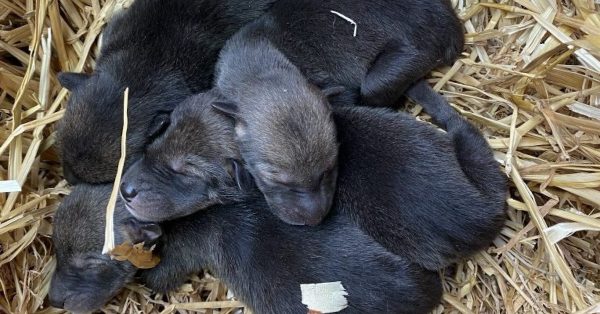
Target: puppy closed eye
(182,166)
(196,166)
(91,263)
(297,191)
(287,185)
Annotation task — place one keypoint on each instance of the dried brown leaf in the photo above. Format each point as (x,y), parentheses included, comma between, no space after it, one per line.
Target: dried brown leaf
(136,254)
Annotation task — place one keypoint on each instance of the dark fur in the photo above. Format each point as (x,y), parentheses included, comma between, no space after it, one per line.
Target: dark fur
(84,279)
(397,42)
(431,196)
(262,259)
(163,51)
(172,156)
(283,124)
(284,127)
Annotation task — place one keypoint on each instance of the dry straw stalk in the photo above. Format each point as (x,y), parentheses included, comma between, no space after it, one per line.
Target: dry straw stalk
(529,78)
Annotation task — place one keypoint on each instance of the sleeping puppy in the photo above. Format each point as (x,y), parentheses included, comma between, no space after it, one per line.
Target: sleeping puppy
(392,45)
(433,197)
(163,51)
(287,128)
(283,122)
(263,260)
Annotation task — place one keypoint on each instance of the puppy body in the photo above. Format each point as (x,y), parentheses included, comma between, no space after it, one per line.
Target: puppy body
(396,42)
(431,196)
(262,259)
(163,51)
(265,261)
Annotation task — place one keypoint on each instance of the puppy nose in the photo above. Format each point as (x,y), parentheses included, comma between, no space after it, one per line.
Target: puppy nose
(128,192)
(57,303)
(314,207)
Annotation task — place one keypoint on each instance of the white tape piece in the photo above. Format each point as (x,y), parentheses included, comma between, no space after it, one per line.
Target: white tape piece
(9,186)
(325,297)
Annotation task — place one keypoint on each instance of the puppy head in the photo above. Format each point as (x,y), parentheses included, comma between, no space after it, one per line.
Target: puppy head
(85,279)
(287,138)
(89,134)
(190,166)
(89,131)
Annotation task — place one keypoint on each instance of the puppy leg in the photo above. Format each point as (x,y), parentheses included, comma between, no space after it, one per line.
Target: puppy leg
(395,68)
(174,268)
(165,277)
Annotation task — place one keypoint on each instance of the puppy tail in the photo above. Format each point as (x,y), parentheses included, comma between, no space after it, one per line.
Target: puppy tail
(472,150)
(435,105)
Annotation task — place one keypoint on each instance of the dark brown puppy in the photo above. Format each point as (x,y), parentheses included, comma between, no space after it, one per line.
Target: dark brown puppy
(210,175)
(85,279)
(283,124)
(163,51)
(431,196)
(284,128)
(258,256)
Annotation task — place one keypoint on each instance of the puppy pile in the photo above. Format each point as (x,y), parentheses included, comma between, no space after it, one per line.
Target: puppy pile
(255,150)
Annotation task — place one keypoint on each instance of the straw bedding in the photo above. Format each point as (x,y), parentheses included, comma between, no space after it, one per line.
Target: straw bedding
(529,78)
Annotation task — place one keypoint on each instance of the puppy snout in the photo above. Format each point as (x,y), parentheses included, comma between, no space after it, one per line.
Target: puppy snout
(314,207)
(128,191)
(302,208)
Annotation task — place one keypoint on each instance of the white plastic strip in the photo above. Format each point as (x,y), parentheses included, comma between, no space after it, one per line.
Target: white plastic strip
(566,229)
(349,20)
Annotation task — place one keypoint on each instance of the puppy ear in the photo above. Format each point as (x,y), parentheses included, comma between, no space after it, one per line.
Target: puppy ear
(159,124)
(227,108)
(242,177)
(334,90)
(71,80)
(137,231)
